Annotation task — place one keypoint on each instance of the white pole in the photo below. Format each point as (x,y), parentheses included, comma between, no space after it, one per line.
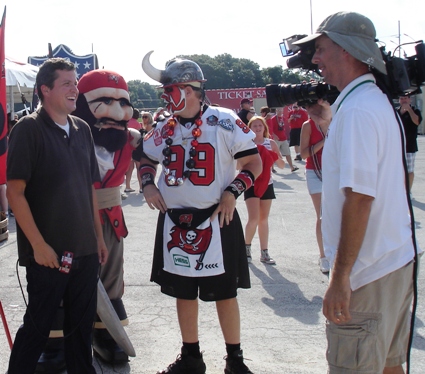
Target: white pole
(311,17)
(12,103)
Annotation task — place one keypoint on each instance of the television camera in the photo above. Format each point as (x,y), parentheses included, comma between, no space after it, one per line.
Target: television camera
(405,75)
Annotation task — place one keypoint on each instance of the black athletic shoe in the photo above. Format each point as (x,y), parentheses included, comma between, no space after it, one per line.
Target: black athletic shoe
(52,360)
(185,364)
(235,365)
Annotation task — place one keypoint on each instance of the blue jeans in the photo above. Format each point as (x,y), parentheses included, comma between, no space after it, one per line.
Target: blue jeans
(46,289)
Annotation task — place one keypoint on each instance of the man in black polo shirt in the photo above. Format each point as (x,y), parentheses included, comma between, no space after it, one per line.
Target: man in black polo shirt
(245,113)
(51,169)
(411,118)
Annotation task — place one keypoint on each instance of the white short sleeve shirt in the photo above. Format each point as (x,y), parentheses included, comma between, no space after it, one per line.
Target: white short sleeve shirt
(363,151)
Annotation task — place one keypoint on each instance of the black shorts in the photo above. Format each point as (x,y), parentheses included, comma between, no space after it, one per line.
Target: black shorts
(268,195)
(215,288)
(294,137)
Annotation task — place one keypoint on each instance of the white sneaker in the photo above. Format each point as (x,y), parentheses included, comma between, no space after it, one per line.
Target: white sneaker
(266,258)
(324,265)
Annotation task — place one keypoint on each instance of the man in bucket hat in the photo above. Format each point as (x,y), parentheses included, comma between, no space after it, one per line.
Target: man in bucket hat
(365,215)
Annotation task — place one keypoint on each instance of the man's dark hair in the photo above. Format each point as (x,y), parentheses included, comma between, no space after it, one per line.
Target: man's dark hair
(47,75)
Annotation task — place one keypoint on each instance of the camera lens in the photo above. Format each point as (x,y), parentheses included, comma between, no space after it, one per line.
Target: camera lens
(280,95)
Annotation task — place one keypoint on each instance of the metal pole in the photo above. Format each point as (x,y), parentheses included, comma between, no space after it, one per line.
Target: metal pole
(399,39)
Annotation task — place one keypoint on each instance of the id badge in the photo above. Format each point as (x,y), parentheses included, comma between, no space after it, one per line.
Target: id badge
(66,262)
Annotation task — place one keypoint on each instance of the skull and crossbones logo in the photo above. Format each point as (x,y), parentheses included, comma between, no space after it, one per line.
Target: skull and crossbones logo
(189,241)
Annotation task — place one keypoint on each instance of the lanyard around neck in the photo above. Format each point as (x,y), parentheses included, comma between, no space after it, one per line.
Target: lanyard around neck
(357,85)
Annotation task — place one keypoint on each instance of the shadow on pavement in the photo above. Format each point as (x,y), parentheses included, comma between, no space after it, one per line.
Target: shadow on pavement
(286,298)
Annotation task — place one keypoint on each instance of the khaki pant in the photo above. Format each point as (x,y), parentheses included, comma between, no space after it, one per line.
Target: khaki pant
(378,334)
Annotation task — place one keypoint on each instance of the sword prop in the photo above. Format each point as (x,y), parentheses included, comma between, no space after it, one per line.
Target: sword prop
(109,317)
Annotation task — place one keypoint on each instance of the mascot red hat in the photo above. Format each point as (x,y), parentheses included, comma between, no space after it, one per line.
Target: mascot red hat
(101,79)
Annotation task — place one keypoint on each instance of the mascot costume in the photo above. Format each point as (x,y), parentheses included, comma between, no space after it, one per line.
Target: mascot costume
(104,103)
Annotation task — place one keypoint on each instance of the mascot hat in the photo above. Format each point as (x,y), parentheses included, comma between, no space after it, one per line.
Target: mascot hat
(101,79)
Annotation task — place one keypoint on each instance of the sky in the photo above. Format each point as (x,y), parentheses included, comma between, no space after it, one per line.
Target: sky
(122,32)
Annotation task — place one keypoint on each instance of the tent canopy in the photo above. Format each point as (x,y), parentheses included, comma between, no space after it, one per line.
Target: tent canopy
(21,74)
(20,80)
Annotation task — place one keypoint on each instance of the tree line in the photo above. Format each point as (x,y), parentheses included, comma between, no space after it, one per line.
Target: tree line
(221,72)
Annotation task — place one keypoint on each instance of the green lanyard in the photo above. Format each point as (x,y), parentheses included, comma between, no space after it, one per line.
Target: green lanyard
(357,85)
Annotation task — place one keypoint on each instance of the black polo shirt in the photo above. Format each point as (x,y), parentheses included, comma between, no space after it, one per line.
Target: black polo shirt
(59,171)
(410,130)
(243,116)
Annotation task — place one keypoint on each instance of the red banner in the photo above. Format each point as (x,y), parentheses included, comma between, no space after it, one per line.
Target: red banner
(3,104)
(231,98)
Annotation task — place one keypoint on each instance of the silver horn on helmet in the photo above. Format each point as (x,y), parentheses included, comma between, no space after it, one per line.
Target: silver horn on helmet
(177,71)
(150,70)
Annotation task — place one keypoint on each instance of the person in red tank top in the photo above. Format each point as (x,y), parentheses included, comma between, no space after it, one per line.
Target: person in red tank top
(312,139)
(258,199)
(297,116)
(280,137)
(134,124)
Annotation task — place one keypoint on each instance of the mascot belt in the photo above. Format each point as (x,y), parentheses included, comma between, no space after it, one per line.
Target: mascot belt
(108,197)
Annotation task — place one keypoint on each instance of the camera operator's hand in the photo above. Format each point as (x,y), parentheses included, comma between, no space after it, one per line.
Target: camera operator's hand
(321,114)
(405,107)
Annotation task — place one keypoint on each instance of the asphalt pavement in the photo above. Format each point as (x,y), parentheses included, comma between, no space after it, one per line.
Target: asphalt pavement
(283,329)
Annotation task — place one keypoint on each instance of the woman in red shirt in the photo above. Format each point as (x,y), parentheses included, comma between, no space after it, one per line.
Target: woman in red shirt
(134,124)
(312,139)
(258,198)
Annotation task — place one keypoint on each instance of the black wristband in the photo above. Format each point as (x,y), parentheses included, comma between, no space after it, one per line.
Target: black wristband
(243,181)
(147,175)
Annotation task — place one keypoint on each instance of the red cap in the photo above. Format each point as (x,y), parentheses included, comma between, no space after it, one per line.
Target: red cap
(246,101)
(99,79)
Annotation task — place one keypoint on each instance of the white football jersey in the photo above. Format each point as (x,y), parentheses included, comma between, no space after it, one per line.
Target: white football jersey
(223,136)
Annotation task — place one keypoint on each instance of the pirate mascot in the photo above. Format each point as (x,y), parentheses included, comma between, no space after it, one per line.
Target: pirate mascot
(199,248)
(104,103)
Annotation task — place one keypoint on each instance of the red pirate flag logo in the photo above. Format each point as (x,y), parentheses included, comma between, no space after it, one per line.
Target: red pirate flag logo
(191,241)
(186,219)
